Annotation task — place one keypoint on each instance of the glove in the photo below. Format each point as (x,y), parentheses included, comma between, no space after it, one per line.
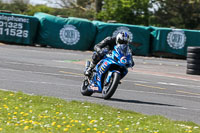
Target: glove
(105,50)
(98,50)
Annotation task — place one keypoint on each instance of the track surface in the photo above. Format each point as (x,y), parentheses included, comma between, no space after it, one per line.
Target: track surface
(155,86)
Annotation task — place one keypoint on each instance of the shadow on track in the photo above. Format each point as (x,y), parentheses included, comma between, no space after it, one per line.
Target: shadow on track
(137,102)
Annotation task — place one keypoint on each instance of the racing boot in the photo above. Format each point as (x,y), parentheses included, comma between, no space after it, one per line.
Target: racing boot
(88,72)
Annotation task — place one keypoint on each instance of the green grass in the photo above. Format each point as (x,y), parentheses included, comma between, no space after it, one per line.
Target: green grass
(24,113)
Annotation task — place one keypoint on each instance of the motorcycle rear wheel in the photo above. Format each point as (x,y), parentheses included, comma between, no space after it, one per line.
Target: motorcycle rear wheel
(84,89)
(109,89)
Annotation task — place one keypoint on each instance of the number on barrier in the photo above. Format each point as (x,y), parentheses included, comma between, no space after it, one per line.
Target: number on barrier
(10,25)
(20,26)
(13,32)
(25,34)
(1,31)
(19,33)
(7,31)
(1,23)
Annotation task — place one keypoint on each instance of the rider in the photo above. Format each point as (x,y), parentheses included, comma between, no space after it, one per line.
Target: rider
(108,43)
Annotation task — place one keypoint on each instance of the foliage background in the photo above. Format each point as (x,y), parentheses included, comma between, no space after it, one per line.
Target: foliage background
(161,13)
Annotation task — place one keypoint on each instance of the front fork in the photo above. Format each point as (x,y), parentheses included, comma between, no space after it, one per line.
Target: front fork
(110,73)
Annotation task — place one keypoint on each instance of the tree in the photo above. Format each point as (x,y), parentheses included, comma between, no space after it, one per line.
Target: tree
(40,8)
(76,8)
(173,13)
(16,6)
(126,11)
(98,5)
(80,4)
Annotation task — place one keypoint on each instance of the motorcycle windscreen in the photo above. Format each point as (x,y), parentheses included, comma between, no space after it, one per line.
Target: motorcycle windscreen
(123,49)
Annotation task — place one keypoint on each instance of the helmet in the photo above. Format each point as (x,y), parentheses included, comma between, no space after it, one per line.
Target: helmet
(122,38)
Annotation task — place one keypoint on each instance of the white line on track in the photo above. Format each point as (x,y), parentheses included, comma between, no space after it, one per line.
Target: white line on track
(145,82)
(164,83)
(169,76)
(156,93)
(179,85)
(38,65)
(54,74)
(37,82)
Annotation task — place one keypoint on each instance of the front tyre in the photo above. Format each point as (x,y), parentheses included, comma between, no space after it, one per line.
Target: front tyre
(110,88)
(84,89)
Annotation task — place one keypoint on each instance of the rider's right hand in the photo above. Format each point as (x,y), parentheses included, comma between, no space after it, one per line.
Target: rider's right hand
(98,50)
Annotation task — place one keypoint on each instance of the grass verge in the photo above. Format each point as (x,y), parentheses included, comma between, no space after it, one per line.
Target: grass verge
(24,113)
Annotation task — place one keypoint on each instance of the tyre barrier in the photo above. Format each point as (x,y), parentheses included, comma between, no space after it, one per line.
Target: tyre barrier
(193,60)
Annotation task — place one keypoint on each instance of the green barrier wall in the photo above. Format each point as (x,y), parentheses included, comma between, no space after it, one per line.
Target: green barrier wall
(68,33)
(138,34)
(16,28)
(174,41)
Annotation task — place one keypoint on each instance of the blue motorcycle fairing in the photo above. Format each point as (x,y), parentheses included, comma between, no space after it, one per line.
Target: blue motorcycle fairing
(102,67)
(123,59)
(117,61)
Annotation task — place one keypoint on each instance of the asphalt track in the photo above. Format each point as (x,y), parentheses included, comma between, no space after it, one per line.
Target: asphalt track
(155,86)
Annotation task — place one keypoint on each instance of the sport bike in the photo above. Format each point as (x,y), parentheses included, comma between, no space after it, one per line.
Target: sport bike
(108,72)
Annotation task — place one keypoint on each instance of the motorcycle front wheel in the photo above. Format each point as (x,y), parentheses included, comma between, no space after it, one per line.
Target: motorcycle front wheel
(84,89)
(110,88)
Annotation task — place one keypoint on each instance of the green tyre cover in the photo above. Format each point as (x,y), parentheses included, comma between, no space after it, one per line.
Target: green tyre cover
(67,33)
(174,41)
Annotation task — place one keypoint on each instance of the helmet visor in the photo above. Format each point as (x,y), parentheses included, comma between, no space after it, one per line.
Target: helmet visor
(122,41)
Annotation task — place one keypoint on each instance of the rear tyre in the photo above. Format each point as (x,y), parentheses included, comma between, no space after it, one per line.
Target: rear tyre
(109,89)
(84,89)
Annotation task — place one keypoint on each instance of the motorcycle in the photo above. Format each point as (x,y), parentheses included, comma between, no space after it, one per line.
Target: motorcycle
(108,72)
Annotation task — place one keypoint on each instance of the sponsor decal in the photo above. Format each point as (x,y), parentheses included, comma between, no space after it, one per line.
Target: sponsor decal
(123,60)
(69,35)
(103,67)
(14,19)
(14,29)
(123,29)
(94,88)
(14,26)
(176,39)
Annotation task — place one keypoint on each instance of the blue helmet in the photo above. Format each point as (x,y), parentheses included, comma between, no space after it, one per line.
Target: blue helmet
(122,38)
